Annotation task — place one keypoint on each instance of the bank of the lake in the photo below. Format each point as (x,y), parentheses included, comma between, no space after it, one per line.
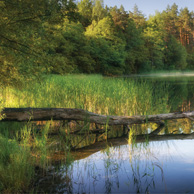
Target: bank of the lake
(33,146)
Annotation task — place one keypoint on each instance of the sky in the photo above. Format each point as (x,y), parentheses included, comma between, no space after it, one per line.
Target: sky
(148,7)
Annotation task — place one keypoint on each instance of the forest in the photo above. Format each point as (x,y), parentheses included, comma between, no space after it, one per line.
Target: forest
(65,37)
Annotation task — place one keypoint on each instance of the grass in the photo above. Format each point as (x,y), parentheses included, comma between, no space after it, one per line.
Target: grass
(111,96)
(22,148)
(16,166)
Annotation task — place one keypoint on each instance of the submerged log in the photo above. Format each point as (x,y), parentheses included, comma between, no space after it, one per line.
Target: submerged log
(43,114)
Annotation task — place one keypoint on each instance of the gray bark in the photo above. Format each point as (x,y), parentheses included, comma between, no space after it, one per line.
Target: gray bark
(43,114)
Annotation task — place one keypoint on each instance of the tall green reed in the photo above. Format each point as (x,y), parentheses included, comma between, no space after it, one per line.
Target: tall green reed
(111,96)
(25,148)
(21,151)
(16,166)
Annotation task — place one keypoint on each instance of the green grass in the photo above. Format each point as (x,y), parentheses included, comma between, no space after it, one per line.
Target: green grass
(110,96)
(21,148)
(16,166)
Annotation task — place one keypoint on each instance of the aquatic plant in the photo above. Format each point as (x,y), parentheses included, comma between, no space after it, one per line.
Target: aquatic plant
(110,96)
(16,166)
(95,93)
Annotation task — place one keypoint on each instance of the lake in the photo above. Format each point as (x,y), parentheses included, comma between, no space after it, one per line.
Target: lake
(162,164)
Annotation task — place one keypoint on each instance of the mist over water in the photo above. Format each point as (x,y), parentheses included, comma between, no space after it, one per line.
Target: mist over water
(164,74)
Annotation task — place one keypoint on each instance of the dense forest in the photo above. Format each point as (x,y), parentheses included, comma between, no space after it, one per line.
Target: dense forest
(60,37)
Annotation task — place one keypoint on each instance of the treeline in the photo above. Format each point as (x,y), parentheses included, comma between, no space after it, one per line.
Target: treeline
(60,37)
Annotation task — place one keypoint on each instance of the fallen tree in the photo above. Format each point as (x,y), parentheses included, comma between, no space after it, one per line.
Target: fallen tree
(44,114)
(75,115)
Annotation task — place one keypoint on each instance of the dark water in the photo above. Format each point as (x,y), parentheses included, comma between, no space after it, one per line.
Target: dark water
(150,166)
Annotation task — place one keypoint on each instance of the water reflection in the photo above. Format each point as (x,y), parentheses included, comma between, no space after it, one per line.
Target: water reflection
(158,164)
(164,167)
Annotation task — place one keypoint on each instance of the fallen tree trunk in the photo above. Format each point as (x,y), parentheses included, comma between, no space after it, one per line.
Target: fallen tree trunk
(43,114)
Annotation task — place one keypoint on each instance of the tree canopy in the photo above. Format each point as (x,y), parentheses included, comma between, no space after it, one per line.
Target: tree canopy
(38,37)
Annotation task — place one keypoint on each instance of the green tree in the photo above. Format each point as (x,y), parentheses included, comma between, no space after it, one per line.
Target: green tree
(154,37)
(68,49)
(132,38)
(107,49)
(19,22)
(21,34)
(85,8)
(138,17)
(120,18)
(175,54)
(186,29)
(109,60)
(170,17)
(104,28)
(136,57)
(98,11)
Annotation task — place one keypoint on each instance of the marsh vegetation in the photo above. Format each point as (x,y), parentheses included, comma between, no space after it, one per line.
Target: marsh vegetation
(30,149)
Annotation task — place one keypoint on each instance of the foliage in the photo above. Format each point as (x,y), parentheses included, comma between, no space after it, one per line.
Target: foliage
(175,55)
(86,37)
(85,9)
(21,32)
(67,59)
(98,11)
(107,50)
(154,35)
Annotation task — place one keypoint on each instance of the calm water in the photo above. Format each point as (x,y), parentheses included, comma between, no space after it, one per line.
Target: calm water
(162,167)
(165,166)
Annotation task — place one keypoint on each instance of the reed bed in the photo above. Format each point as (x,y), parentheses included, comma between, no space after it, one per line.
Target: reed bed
(22,148)
(102,95)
